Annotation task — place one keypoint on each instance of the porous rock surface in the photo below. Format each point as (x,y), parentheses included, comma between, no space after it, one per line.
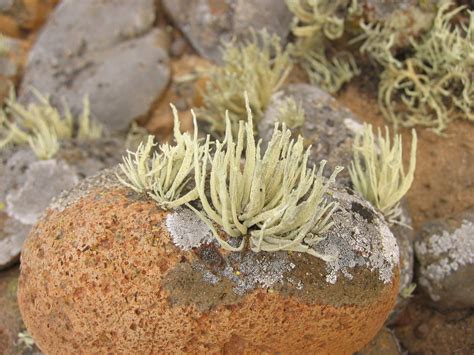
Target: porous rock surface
(385,343)
(106,270)
(207,23)
(28,185)
(328,126)
(107,50)
(445,253)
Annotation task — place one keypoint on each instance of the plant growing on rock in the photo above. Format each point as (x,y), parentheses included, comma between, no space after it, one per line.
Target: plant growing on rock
(163,175)
(274,201)
(291,113)
(377,171)
(259,66)
(42,126)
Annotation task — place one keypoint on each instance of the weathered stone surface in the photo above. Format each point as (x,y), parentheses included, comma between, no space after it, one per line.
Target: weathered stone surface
(108,272)
(206,23)
(29,185)
(385,343)
(328,126)
(108,50)
(445,252)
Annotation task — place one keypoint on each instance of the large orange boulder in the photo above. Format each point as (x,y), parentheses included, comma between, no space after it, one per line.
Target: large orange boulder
(107,271)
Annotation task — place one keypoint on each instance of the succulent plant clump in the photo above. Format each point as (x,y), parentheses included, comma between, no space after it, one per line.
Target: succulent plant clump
(259,66)
(42,126)
(377,171)
(273,201)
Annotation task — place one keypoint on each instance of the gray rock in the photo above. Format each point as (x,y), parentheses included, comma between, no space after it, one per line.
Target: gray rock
(6,4)
(29,185)
(329,127)
(107,50)
(445,252)
(44,180)
(207,23)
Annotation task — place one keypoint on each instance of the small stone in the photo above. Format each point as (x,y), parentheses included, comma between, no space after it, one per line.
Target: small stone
(422,330)
(445,252)
(385,342)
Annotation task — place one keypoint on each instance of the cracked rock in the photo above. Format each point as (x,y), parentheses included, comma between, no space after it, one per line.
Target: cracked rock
(123,66)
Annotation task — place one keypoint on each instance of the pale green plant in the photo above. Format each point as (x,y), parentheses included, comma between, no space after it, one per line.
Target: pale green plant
(259,66)
(163,174)
(44,141)
(41,125)
(316,24)
(135,136)
(291,113)
(377,170)
(329,73)
(407,292)
(25,339)
(313,17)
(378,40)
(273,199)
(434,86)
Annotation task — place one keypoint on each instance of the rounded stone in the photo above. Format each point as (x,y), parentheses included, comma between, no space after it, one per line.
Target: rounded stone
(107,271)
(328,126)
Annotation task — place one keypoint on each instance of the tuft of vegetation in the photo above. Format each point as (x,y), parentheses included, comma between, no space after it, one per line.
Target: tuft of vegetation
(163,175)
(273,201)
(377,171)
(258,66)
(42,126)
(291,113)
(316,24)
(434,85)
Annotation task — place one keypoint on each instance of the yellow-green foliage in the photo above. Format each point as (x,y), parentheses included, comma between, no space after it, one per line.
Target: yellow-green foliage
(258,66)
(291,113)
(377,171)
(163,175)
(434,86)
(313,17)
(42,126)
(316,23)
(270,201)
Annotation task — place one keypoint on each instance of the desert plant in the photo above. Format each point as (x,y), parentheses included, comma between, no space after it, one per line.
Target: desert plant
(42,126)
(165,174)
(435,85)
(259,66)
(377,171)
(316,24)
(274,199)
(291,113)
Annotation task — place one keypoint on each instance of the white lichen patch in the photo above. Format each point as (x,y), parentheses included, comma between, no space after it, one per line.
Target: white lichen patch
(355,126)
(442,254)
(187,230)
(359,237)
(253,272)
